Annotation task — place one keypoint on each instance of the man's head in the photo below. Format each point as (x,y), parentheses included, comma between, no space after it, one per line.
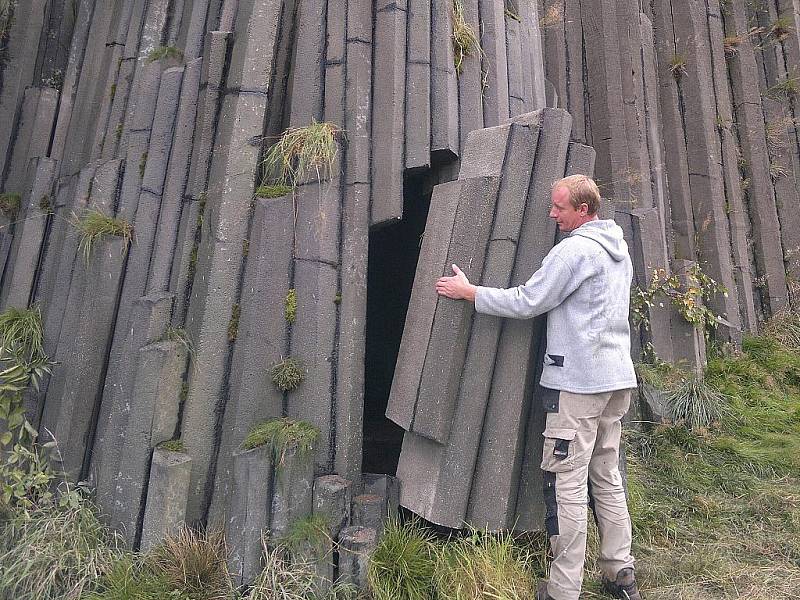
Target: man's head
(575,201)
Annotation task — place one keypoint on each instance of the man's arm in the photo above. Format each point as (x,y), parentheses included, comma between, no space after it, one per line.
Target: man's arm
(547,288)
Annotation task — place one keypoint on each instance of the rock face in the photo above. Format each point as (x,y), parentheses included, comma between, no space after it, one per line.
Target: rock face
(159,115)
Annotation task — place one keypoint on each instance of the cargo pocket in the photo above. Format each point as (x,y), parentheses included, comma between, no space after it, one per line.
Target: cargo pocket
(558,454)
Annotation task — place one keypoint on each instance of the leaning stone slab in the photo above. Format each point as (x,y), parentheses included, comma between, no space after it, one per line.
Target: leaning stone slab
(167,495)
(480,185)
(356,544)
(249,512)
(153,417)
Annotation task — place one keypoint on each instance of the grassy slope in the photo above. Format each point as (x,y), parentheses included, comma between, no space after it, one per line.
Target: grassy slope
(716,513)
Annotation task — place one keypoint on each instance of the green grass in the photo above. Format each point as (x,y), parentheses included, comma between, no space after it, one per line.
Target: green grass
(162,52)
(10,204)
(233,324)
(95,226)
(129,579)
(299,152)
(290,306)
(787,88)
(716,511)
(403,565)
(287,374)
(281,435)
(22,335)
(177,445)
(54,552)
(273,191)
(308,532)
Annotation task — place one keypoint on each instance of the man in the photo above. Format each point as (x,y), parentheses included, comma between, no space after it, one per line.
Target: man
(584,286)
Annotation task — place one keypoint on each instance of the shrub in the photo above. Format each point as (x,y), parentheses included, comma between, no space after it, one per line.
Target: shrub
(176,445)
(403,564)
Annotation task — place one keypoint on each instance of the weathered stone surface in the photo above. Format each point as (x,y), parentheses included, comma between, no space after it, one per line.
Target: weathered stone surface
(385,486)
(220,253)
(370,511)
(248,515)
(332,497)
(28,236)
(262,339)
(312,343)
(307,81)
(418,86)
(356,544)
(82,352)
(293,492)
(167,496)
(153,418)
(389,83)
(444,83)
(493,40)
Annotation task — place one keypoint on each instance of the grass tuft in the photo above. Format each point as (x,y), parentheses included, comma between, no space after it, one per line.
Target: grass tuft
(281,580)
(287,374)
(731,44)
(465,39)
(484,565)
(677,66)
(281,435)
(290,306)
(129,579)
(696,403)
(310,531)
(45,205)
(403,564)
(22,335)
(787,88)
(784,328)
(162,52)
(273,191)
(10,204)
(780,29)
(299,152)
(94,226)
(180,335)
(194,562)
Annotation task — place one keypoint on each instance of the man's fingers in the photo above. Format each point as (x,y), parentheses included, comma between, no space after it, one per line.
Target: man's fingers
(456,270)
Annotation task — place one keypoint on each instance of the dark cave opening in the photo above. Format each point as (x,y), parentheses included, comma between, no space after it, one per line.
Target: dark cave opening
(393,254)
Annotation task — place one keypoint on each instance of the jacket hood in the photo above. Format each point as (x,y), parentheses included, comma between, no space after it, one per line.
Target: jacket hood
(606,233)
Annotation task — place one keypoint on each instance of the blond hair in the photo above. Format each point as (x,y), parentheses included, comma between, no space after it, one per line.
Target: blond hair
(582,190)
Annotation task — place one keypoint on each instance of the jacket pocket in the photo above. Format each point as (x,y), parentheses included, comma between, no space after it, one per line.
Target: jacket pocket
(558,454)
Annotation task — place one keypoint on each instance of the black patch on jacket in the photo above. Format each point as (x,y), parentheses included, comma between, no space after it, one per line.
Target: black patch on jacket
(561,449)
(558,361)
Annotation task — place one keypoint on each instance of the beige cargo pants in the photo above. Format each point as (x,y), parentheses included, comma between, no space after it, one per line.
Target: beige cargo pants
(580,461)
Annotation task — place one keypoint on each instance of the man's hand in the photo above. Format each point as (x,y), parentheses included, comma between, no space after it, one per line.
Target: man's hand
(456,287)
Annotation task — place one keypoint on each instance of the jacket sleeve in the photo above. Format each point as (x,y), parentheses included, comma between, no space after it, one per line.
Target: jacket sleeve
(547,288)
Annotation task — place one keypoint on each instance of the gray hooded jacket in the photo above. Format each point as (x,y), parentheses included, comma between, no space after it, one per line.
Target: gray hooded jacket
(584,286)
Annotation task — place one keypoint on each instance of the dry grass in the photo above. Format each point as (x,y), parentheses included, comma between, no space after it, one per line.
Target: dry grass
(95,226)
(300,152)
(195,563)
(466,41)
(552,16)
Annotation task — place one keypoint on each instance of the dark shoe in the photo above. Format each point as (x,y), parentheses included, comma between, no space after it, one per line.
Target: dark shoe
(541,591)
(624,586)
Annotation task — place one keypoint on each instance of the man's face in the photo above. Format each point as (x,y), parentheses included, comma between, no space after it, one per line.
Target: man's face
(567,216)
